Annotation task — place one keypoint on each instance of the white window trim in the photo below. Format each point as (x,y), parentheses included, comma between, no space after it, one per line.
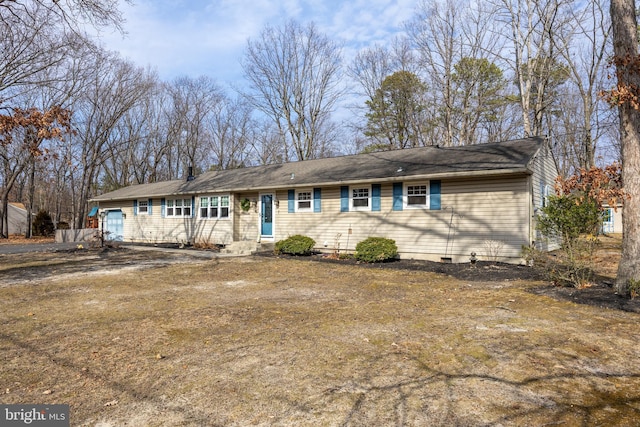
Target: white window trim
(546,192)
(297,206)
(405,195)
(146,207)
(219,207)
(359,208)
(182,215)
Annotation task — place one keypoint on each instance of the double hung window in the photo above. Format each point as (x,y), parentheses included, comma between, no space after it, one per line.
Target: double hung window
(178,208)
(143,206)
(304,200)
(214,207)
(417,195)
(360,198)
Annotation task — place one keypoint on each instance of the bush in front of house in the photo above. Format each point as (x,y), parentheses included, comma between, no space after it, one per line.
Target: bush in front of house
(376,249)
(295,245)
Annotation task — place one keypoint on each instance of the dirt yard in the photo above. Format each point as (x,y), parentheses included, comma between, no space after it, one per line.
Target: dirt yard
(155,339)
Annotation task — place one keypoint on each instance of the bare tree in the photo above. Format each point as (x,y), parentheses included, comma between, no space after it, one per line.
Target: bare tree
(458,46)
(229,126)
(265,147)
(69,14)
(627,60)
(370,68)
(114,88)
(435,31)
(192,100)
(584,44)
(372,65)
(30,47)
(21,137)
(293,73)
(533,25)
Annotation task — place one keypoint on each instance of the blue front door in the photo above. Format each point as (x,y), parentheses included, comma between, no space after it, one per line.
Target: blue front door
(266,228)
(114,226)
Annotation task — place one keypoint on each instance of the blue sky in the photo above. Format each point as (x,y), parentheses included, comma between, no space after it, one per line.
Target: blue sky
(206,37)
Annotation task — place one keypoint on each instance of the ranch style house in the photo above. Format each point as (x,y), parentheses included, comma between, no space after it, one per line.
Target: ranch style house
(437,203)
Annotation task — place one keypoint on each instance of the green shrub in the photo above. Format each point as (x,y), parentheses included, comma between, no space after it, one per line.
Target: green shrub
(376,249)
(574,220)
(295,245)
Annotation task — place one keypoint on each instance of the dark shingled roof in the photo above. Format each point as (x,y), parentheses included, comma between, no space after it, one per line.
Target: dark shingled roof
(385,166)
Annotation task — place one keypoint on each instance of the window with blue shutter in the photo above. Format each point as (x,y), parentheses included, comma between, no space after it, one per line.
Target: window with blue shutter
(397,196)
(317,200)
(291,201)
(193,206)
(376,190)
(149,206)
(344,198)
(434,194)
(135,207)
(163,208)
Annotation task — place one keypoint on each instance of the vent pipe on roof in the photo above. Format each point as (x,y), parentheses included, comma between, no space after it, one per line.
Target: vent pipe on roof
(190,176)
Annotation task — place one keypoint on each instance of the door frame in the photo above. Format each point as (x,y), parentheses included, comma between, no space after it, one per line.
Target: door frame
(105,228)
(609,226)
(273,216)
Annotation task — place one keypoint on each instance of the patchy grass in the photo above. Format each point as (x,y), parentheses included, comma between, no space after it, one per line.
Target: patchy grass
(268,341)
(19,239)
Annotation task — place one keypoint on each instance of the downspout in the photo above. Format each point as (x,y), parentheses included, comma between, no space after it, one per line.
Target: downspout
(447,258)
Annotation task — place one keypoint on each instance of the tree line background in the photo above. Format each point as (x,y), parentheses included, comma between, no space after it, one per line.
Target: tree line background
(464,72)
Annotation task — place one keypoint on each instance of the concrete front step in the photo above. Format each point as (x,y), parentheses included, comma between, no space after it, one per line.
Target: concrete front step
(246,247)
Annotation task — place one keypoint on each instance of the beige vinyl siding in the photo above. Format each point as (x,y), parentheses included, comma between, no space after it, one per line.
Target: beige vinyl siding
(213,230)
(483,209)
(544,174)
(246,224)
(154,228)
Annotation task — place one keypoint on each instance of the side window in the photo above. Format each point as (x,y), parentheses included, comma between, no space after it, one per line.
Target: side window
(546,192)
(224,207)
(360,198)
(186,210)
(214,207)
(303,201)
(204,207)
(417,195)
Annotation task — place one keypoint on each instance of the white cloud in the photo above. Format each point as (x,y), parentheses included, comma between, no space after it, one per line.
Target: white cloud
(198,37)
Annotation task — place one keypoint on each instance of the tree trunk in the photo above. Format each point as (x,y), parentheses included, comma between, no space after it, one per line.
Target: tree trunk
(625,44)
(31,191)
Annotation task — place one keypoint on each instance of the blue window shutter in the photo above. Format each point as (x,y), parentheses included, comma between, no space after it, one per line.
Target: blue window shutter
(193,206)
(376,190)
(344,198)
(291,199)
(434,194)
(150,206)
(397,196)
(135,207)
(541,193)
(163,207)
(317,200)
